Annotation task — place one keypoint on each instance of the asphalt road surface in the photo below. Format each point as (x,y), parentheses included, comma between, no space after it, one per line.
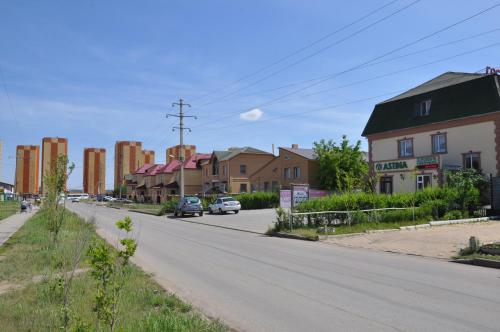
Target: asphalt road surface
(257,283)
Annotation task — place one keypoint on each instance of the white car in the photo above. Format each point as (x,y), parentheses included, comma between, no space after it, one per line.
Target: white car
(224,204)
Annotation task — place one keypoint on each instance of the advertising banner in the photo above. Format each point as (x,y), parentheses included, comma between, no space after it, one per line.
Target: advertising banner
(300,194)
(285,199)
(316,193)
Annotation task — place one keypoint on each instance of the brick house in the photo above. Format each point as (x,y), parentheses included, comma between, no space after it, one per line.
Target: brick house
(192,174)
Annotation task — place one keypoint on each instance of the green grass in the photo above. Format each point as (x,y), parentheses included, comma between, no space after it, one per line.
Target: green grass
(8,208)
(491,257)
(143,306)
(357,228)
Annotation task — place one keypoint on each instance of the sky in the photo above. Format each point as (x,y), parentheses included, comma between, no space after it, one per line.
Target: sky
(256,73)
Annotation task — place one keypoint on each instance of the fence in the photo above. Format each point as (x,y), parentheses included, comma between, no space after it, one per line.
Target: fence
(333,218)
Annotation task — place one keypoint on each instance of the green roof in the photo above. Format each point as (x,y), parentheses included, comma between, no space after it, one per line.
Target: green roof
(233,152)
(453,96)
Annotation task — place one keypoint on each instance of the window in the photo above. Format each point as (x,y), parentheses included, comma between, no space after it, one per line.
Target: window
(386,185)
(286,173)
(274,186)
(424,108)
(405,147)
(472,160)
(254,187)
(286,157)
(266,186)
(296,172)
(243,169)
(439,143)
(243,188)
(215,167)
(423,181)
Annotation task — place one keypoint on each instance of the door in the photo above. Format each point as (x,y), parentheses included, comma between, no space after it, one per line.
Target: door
(423,181)
(386,185)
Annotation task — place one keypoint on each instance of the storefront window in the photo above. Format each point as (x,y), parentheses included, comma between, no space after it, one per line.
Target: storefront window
(423,181)
(439,143)
(472,160)
(386,185)
(405,147)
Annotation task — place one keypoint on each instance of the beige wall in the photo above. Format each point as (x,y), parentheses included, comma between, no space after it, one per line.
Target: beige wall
(479,137)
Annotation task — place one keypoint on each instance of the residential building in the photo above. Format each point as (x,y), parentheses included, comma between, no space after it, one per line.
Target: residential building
(27,169)
(94,171)
(174,152)
(148,156)
(292,166)
(136,183)
(52,148)
(230,170)
(128,158)
(6,188)
(192,174)
(447,123)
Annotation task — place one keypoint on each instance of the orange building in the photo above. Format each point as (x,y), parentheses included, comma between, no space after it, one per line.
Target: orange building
(149,156)
(27,169)
(174,152)
(52,147)
(128,158)
(94,171)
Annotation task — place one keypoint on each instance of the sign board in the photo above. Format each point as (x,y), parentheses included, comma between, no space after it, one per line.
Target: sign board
(427,162)
(285,199)
(300,193)
(315,193)
(491,70)
(391,166)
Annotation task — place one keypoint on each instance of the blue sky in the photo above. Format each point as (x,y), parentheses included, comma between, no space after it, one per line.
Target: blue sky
(101,71)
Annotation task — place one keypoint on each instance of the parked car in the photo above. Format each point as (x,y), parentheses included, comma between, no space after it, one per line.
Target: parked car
(100,198)
(224,204)
(123,200)
(188,205)
(75,199)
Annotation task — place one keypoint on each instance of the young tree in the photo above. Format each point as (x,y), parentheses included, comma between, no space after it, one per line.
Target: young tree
(54,183)
(341,167)
(468,183)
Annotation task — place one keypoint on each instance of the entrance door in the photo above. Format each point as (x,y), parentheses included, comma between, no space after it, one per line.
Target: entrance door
(386,185)
(423,181)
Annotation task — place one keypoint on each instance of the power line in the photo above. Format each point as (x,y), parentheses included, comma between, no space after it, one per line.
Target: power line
(372,64)
(300,50)
(331,76)
(323,49)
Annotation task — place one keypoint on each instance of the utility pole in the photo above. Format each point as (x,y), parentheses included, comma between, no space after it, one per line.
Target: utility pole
(181,128)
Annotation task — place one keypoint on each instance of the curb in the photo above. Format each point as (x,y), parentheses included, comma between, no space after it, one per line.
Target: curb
(293,236)
(480,262)
(458,221)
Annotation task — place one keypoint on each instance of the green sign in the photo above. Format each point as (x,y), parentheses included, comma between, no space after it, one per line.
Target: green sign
(391,166)
(428,160)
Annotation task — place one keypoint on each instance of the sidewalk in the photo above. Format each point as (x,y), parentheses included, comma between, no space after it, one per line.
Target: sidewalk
(11,224)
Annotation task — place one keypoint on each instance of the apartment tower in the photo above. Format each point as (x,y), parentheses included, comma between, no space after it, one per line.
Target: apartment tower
(149,156)
(27,169)
(128,158)
(52,147)
(94,171)
(174,152)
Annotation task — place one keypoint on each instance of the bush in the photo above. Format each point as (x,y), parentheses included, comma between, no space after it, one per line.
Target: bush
(258,200)
(168,207)
(452,215)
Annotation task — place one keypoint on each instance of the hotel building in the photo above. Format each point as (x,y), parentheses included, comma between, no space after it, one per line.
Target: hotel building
(448,123)
(27,169)
(128,158)
(52,148)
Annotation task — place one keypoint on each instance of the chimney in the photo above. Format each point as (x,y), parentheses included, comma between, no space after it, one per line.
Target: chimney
(295,146)
(273,148)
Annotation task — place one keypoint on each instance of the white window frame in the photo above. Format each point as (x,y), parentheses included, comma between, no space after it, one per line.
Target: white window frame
(421,181)
(436,143)
(403,147)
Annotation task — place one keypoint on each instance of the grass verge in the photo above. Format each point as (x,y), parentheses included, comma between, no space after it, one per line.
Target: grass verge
(36,305)
(8,208)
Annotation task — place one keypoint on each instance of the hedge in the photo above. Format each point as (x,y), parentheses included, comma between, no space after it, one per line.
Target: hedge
(258,200)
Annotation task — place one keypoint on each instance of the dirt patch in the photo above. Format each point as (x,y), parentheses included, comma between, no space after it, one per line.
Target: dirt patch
(6,286)
(439,241)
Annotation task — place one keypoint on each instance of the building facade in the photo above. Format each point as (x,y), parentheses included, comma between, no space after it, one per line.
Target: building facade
(230,170)
(27,169)
(52,148)
(174,152)
(192,175)
(292,165)
(128,158)
(149,156)
(448,123)
(94,171)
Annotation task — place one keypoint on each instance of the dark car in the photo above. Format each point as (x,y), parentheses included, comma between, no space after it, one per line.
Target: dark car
(188,205)
(100,198)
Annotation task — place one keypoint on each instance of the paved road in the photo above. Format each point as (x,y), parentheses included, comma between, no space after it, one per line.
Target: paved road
(10,225)
(257,283)
(257,221)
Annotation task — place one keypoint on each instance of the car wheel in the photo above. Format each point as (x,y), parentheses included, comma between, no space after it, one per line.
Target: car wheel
(236,211)
(175,213)
(182,214)
(210,211)
(220,211)
(201,213)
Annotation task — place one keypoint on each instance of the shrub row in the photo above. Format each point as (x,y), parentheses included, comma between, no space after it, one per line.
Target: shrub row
(258,200)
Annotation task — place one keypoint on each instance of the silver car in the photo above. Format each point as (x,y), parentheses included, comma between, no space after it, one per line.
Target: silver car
(188,205)
(224,204)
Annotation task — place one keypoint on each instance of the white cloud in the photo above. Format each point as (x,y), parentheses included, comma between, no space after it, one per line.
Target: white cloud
(252,115)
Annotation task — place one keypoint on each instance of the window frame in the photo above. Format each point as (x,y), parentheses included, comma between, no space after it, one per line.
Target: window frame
(423,175)
(243,169)
(433,147)
(464,158)
(391,177)
(412,147)
(287,173)
(297,173)
(427,111)
(241,187)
